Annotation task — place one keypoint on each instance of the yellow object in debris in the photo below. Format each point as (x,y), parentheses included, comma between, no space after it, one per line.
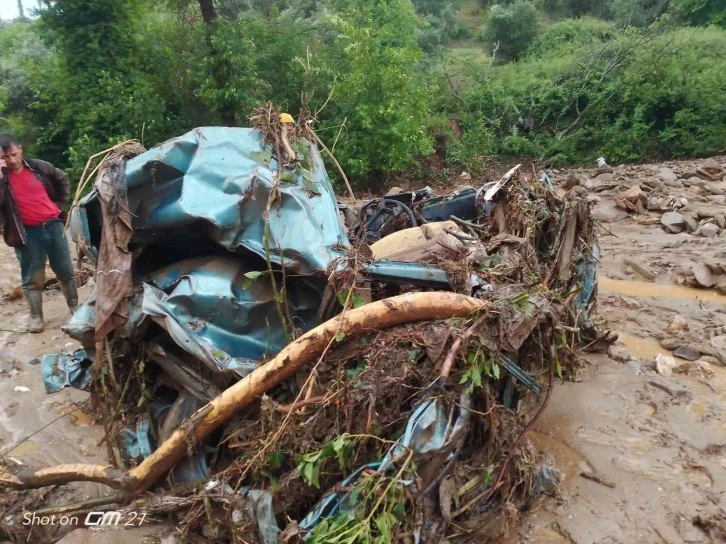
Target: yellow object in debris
(286,118)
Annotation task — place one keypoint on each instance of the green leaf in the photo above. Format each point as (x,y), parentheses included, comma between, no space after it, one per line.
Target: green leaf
(340,337)
(343,297)
(465,377)
(359,367)
(558,369)
(354,495)
(412,354)
(252,277)
(275,460)
(342,446)
(495,370)
(476,376)
(486,478)
(355,299)
(384,522)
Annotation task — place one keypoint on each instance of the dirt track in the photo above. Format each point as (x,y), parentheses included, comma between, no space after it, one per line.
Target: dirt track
(662,446)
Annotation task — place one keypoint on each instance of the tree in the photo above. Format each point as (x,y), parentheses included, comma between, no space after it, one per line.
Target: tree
(95,90)
(637,13)
(579,8)
(378,93)
(218,67)
(699,12)
(509,30)
(21,11)
(435,7)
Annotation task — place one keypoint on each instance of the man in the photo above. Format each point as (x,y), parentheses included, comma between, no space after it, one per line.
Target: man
(32,195)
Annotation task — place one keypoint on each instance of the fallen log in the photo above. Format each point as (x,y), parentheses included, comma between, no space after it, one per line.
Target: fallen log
(408,308)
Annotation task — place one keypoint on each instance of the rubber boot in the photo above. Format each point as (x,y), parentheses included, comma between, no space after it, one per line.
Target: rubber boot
(71,293)
(35,302)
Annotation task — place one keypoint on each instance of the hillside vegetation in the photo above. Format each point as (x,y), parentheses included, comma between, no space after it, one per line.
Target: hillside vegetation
(389,81)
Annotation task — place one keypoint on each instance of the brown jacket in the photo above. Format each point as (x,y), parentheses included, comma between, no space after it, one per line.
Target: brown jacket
(56,184)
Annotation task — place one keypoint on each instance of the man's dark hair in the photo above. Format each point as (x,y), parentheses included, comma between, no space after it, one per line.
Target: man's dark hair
(7,141)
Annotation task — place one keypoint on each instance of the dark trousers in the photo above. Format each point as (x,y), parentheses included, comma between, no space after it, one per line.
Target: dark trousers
(45,242)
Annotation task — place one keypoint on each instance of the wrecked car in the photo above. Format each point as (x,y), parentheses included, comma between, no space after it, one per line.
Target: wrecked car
(221,252)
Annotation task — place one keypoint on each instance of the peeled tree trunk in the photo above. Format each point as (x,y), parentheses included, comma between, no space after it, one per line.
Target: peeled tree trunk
(408,308)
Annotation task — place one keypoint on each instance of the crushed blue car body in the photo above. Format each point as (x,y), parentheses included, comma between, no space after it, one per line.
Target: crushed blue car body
(208,252)
(60,370)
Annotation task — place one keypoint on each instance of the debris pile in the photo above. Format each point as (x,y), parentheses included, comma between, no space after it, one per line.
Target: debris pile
(270,371)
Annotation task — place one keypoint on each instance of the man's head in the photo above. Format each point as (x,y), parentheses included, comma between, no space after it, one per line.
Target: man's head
(11,152)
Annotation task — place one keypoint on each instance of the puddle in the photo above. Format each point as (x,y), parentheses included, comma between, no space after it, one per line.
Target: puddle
(644,348)
(24,448)
(79,418)
(568,461)
(649,289)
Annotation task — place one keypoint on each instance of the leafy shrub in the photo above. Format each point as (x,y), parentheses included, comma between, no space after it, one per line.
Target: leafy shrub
(510,30)
(638,97)
(637,13)
(379,95)
(699,12)
(573,34)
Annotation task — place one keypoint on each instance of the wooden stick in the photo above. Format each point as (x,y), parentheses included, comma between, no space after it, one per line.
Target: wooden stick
(408,308)
(597,479)
(335,161)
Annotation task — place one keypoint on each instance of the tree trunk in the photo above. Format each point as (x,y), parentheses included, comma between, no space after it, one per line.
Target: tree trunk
(208,12)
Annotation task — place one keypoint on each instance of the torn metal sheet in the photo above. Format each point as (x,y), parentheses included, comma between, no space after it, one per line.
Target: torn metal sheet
(258,507)
(213,311)
(207,192)
(60,370)
(587,275)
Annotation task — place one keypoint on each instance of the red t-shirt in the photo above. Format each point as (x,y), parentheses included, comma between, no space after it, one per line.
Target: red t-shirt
(34,205)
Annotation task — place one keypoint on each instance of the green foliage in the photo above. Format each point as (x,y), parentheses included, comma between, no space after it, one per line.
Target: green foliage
(569,34)
(310,465)
(356,301)
(435,7)
(478,367)
(579,8)
(510,30)
(438,30)
(89,73)
(377,91)
(699,12)
(637,13)
(639,95)
(376,507)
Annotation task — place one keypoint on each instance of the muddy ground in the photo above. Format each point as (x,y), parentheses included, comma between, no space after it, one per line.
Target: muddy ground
(657,443)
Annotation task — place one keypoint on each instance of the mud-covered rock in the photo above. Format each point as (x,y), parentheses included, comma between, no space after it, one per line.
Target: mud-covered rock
(673,222)
(688,353)
(709,230)
(667,175)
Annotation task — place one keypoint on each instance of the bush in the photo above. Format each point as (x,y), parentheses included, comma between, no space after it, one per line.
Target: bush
(637,13)
(510,30)
(636,98)
(571,34)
